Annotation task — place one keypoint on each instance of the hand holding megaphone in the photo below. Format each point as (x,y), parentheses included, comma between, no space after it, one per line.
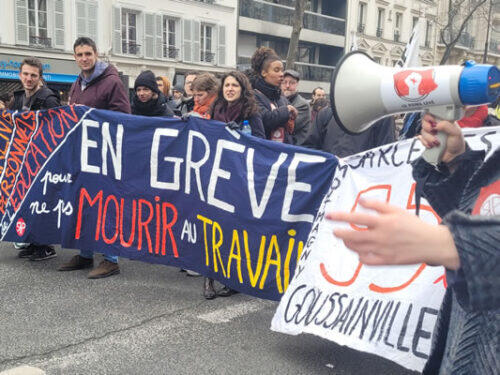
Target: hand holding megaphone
(454,140)
(364,92)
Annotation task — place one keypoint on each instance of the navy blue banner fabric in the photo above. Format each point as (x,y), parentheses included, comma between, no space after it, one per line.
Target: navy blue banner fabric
(190,194)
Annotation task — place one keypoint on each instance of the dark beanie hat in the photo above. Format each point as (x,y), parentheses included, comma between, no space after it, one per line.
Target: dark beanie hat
(147,79)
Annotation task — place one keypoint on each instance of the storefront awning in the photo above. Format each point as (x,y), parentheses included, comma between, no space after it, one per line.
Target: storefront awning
(48,77)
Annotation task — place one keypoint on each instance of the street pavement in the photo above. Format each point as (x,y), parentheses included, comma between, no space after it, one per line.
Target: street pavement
(150,319)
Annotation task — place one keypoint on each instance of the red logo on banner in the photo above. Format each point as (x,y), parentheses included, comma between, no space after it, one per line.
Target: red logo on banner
(20,227)
(488,202)
(414,85)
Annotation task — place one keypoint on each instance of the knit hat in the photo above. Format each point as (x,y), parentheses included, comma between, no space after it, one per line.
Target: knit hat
(147,79)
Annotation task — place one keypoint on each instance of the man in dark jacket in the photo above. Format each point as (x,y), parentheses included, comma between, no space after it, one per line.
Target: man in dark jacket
(33,97)
(148,99)
(325,134)
(97,86)
(289,88)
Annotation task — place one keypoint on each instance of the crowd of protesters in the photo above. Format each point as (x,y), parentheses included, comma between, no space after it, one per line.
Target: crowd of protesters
(265,97)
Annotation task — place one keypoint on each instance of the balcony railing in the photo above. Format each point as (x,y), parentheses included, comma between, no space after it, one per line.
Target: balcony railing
(131,48)
(314,72)
(494,46)
(207,56)
(170,52)
(283,15)
(361,28)
(397,36)
(379,32)
(466,40)
(40,41)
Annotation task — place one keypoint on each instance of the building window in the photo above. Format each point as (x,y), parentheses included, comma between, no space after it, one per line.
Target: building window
(380,22)
(415,21)
(169,36)
(361,17)
(397,27)
(129,33)
(428,31)
(37,16)
(206,44)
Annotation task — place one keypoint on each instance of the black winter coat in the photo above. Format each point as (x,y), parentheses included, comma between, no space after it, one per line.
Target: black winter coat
(325,134)
(44,98)
(466,335)
(154,107)
(266,95)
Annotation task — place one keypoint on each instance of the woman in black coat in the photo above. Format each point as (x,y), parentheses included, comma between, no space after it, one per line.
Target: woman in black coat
(277,114)
(236,103)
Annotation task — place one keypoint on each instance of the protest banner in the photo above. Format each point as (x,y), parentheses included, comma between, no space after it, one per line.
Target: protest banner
(191,194)
(387,311)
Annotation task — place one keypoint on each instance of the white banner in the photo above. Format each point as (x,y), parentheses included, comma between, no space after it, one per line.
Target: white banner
(388,311)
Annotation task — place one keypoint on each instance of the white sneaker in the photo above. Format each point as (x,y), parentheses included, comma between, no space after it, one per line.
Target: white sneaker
(20,245)
(192,273)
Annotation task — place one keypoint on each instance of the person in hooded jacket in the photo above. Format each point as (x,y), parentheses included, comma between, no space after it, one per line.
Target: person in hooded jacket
(98,85)
(148,99)
(277,114)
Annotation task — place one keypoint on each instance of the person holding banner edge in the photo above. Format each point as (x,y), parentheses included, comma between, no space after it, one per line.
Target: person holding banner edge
(98,86)
(464,191)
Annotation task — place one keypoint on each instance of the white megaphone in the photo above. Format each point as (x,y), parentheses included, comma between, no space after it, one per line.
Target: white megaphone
(364,92)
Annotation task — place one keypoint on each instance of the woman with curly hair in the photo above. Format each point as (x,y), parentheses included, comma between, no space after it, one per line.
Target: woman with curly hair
(236,103)
(204,89)
(278,116)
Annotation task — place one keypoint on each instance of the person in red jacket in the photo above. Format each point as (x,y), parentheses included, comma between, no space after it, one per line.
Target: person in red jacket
(474,117)
(97,86)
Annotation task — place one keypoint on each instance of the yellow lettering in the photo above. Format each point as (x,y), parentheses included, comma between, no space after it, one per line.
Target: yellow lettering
(273,244)
(216,247)
(205,222)
(291,242)
(235,244)
(254,277)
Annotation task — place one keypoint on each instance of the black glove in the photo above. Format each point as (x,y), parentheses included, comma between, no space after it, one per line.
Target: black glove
(233,125)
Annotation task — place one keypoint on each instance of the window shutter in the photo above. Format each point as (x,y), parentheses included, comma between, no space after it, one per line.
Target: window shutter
(149,35)
(81,18)
(59,24)
(92,20)
(187,40)
(22,22)
(159,36)
(196,41)
(117,30)
(221,38)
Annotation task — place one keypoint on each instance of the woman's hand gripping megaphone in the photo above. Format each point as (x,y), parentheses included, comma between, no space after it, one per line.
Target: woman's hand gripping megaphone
(443,135)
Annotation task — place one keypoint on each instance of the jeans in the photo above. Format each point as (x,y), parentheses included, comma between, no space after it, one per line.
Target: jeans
(89,254)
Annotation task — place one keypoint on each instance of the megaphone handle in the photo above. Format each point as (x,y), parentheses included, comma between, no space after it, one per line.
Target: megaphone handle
(433,155)
(443,112)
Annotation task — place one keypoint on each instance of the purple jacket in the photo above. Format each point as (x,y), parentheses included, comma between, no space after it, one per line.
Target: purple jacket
(106,91)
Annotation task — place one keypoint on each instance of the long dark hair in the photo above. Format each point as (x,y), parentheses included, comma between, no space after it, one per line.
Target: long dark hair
(247,98)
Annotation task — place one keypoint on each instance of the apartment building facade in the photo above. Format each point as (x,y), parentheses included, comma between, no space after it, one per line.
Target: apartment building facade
(169,37)
(481,33)
(322,39)
(383,28)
